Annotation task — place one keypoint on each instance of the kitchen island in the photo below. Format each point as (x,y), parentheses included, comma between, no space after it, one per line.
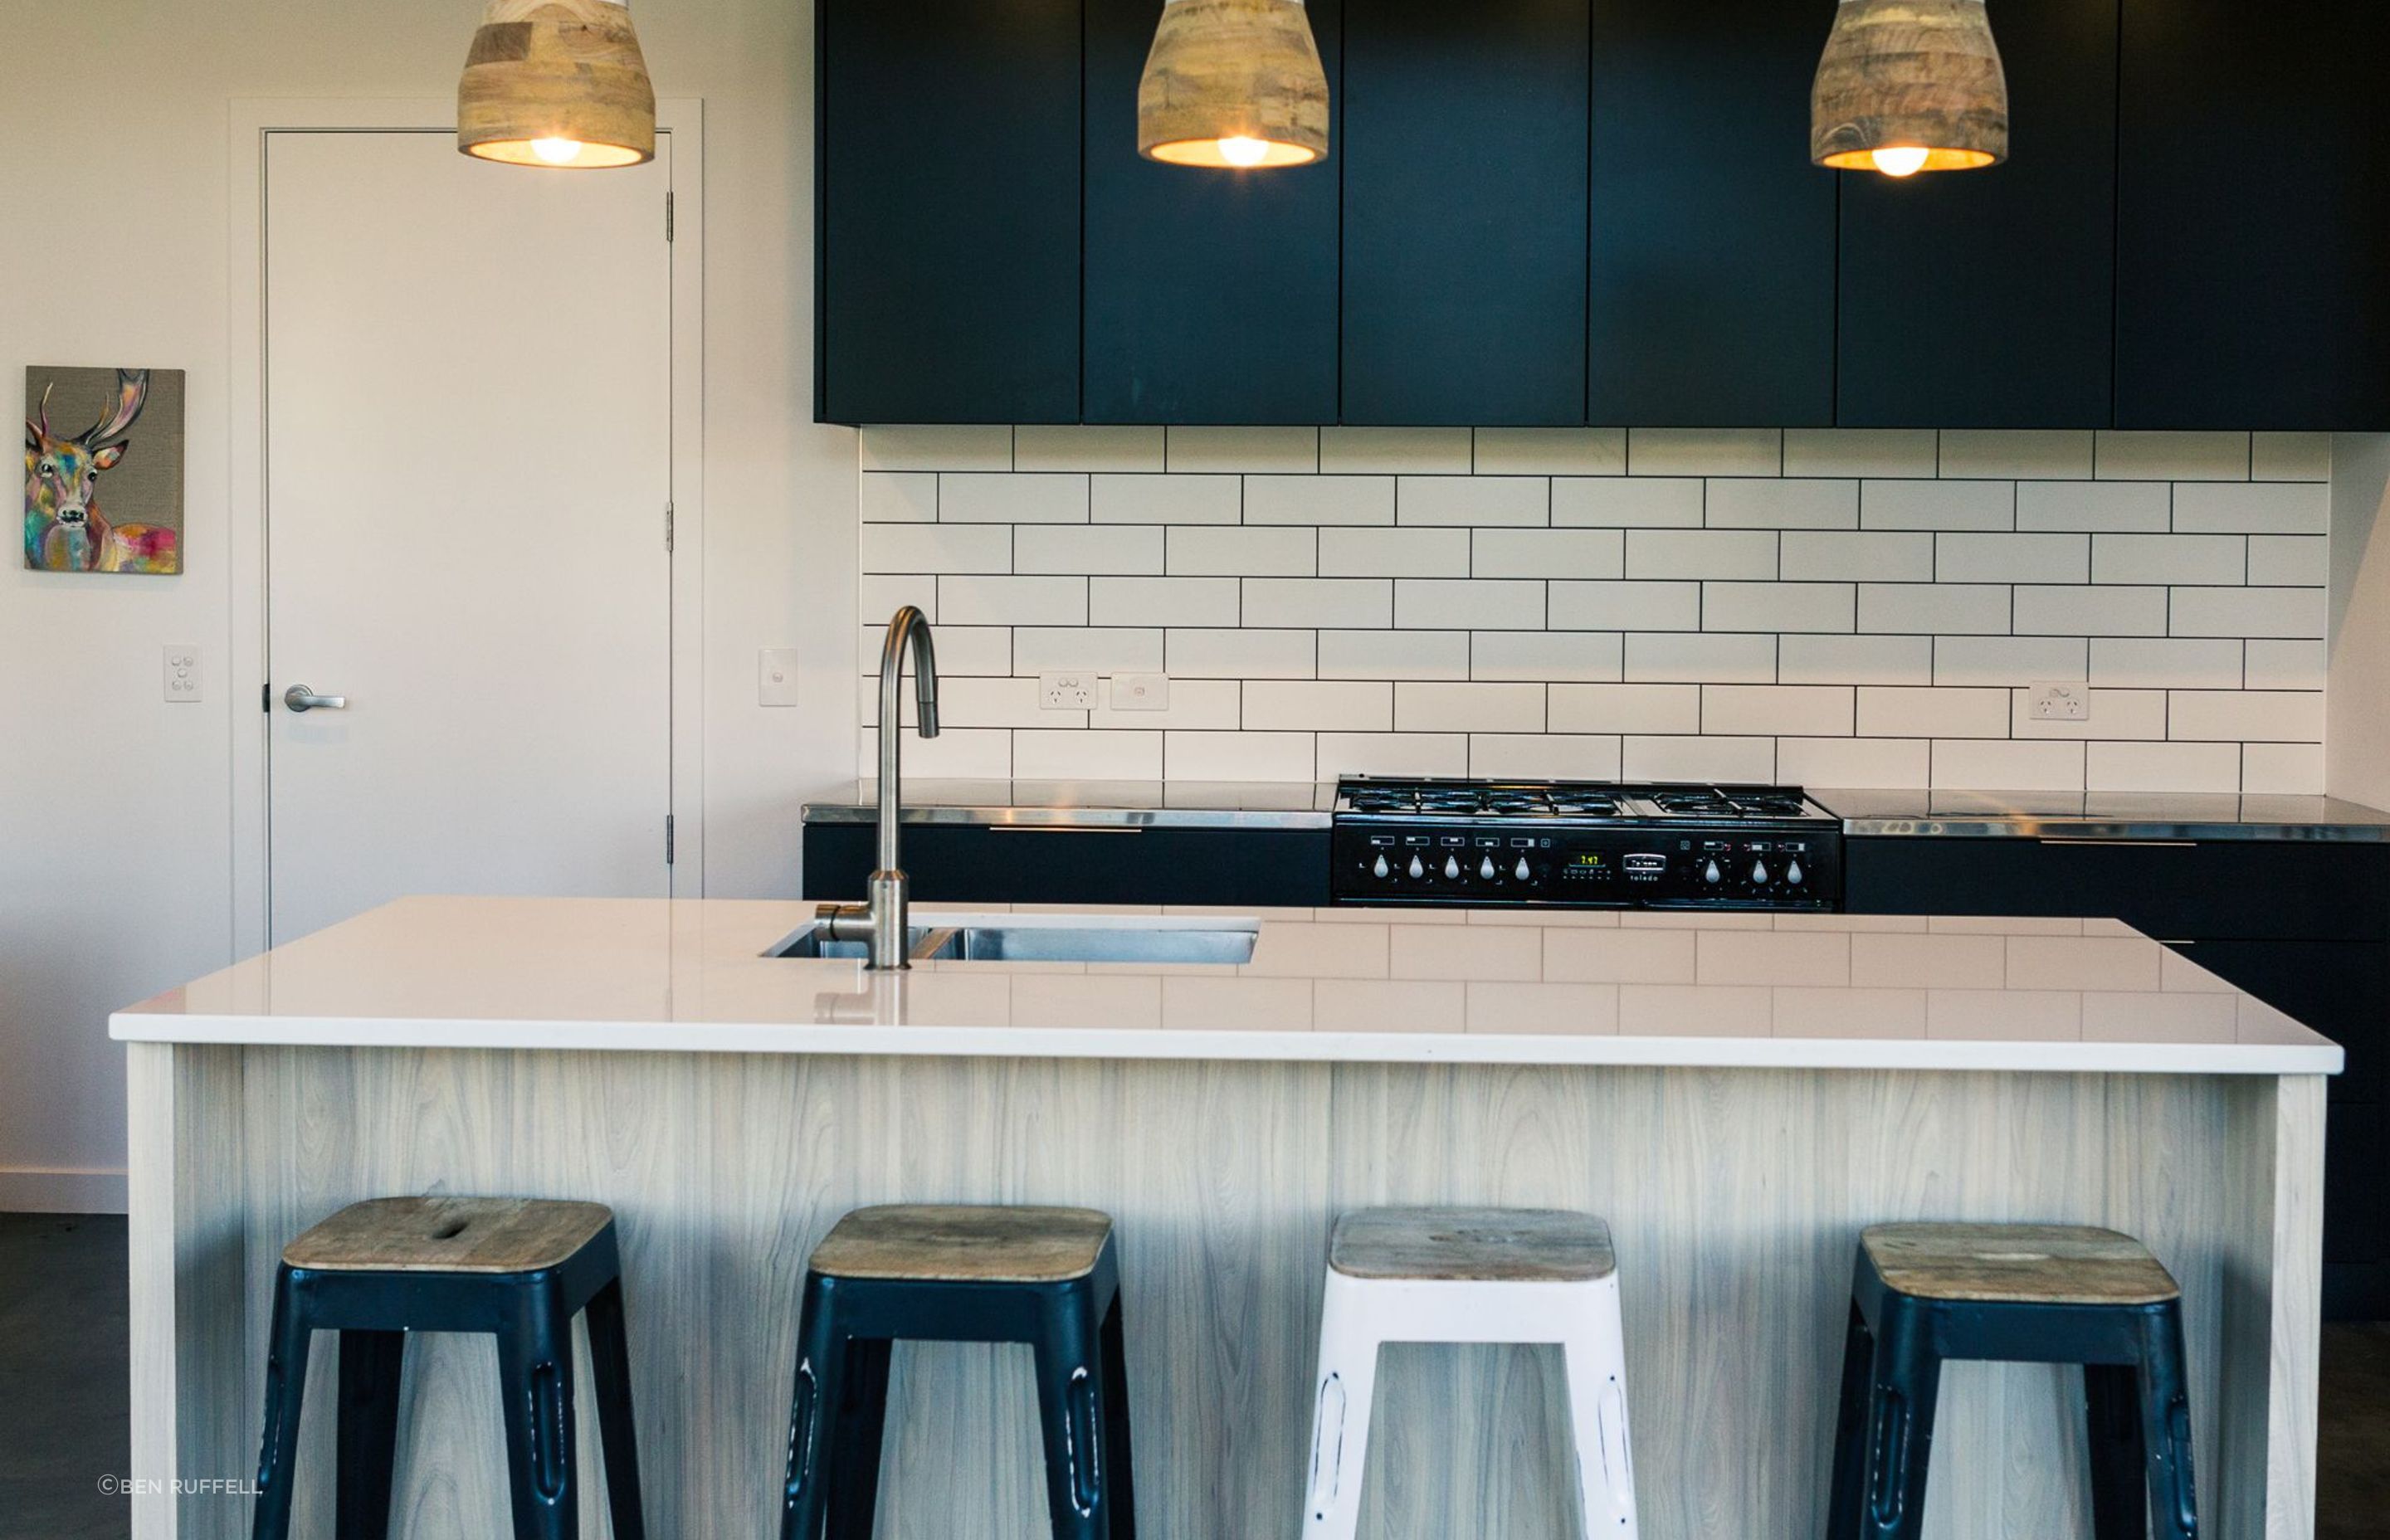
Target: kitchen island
(1739,1094)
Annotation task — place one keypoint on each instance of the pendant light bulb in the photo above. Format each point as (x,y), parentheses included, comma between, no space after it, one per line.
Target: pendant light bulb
(1234,84)
(556,82)
(1909,85)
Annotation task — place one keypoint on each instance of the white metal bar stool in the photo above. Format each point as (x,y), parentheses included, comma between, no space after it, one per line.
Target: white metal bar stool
(1470,1275)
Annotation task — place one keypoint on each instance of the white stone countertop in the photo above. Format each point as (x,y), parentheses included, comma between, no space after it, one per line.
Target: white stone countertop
(1577,987)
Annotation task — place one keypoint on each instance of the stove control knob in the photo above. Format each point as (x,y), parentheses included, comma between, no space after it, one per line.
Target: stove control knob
(1523,874)
(1711,875)
(1452,868)
(1417,871)
(1381,869)
(1759,874)
(1485,869)
(1793,874)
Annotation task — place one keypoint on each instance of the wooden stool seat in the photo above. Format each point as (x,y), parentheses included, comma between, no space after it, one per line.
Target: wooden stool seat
(1472,1245)
(942,1243)
(449,1235)
(2018,1264)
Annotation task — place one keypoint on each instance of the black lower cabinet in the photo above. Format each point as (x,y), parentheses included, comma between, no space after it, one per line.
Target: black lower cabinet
(2303,926)
(1016,864)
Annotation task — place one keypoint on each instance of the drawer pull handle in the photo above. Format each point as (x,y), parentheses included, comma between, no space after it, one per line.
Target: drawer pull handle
(2122,844)
(1065,828)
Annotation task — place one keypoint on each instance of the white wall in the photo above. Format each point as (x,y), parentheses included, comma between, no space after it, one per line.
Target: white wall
(2357,727)
(114,869)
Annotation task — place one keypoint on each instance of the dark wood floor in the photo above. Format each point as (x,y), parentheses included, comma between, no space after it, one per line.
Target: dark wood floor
(63,1421)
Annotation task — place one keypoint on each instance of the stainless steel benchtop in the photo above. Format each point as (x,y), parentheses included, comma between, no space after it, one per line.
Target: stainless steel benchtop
(1943,813)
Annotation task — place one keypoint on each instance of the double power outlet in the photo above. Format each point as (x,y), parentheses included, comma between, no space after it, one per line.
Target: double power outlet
(1077,691)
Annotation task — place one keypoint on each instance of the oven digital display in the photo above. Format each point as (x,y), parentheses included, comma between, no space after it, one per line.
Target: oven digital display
(1592,858)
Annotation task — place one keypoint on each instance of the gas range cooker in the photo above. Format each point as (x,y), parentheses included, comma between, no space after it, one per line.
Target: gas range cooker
(1583,844)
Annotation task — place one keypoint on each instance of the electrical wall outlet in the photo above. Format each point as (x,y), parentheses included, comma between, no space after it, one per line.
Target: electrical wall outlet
(1066,692)
(183,676)
(2059,703)
(1140,692)
(776,676)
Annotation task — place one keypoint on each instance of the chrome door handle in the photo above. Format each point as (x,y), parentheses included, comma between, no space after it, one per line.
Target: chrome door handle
(299,698)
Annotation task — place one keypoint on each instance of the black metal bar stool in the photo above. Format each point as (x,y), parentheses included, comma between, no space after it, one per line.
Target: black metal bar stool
(2020,1293)
(517,1269)
(1044,1276)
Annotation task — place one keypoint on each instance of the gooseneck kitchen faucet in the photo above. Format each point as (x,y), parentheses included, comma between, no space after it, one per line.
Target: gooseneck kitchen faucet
(883,920)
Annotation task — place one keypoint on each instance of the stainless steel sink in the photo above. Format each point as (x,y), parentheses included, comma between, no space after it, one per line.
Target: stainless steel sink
(1055,939)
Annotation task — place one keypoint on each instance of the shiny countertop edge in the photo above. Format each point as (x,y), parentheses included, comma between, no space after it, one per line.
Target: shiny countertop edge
(1232,1044)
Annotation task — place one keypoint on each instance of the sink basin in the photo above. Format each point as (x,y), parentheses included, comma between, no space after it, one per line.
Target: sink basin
(1054,939)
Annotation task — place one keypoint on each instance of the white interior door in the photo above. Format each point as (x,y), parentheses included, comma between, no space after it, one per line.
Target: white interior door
(468,461)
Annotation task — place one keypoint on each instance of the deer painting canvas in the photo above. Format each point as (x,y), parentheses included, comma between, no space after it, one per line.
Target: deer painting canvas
(104,470)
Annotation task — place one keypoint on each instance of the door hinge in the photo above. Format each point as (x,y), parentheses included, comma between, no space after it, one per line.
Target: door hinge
(668,216)
(668,529)
(668,839)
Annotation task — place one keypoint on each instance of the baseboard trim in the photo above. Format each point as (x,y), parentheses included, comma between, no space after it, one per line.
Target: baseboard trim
(30,1189)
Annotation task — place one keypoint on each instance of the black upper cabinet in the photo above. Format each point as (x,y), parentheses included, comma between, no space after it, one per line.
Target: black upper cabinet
(948,221)
(1985,299)
(1210,295)
(1464,180)
(1712,252)
(2253,216)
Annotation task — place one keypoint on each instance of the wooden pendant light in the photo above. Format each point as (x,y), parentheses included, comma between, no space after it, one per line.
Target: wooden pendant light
(1909,85)
(1233,83)
(556,82)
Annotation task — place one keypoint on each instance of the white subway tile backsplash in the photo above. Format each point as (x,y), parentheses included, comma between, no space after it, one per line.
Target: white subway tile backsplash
(1394,553)
(2012,558)
(1621,709)
(1517,501)
(1162,601)
(957,753)
(1704,452)
(1365,603)
(1780,607)
(1395,654)
(1113,548)
(1625,606)
(1469,707)
(1861,451)
(1165,499)
(1205,551)
(1643,502)
(2132,457)
(1587,656)
(1238,451)
(1233,653)
(1432,451)
(1842,608)
(2283,508)
(1755,504)
(1467,604)
(1937,506)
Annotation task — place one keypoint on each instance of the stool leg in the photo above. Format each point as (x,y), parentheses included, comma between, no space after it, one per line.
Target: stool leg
(536,1383)
(1595,1357)
(1120,1461)
(1899,1436)
(1070,1403)
(2166,1424)
(286,1386)
(371,1363)
(862,1420)
(609,1370)
(1844,1520)
(1339,1417)
(2112,1412)
(812,1420)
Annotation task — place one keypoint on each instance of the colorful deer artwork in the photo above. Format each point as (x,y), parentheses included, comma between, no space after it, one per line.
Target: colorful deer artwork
(65,531)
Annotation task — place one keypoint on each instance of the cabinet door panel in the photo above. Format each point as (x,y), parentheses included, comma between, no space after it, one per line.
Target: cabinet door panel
(1713,256)
(2253,216)
(948,239)
(1210,295)
(969,864)
(1464,156)
(1985,299)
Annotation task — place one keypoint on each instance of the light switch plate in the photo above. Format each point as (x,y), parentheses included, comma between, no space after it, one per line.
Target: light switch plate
(1140,692)
(2059,703)
(183,683)
(776,676)
(1074,691)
